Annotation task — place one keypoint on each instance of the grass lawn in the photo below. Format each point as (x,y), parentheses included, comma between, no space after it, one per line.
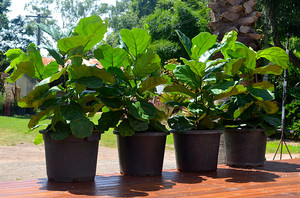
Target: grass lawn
(12,132)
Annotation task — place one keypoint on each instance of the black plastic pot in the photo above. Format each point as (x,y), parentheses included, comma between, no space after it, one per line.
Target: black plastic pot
(72,159)
(141,154)
(244,147)
(197,150)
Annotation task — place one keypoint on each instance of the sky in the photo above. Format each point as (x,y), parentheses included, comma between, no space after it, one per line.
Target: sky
(17,7)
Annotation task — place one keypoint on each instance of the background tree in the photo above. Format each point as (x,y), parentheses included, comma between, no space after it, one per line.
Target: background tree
(283,17)
(64,13)
(18,34)
(162,17)
(4,5)
(279,18)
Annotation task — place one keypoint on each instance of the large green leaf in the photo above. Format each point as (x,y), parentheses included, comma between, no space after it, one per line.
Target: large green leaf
(112,103)
(220,87)
(34,120)
(141,110)
(13,54)
(68,45)
(180,123)
(61,132)
(138,125)
(185,75)
(151,83)
(269,69)
(170,67)
(109,120)
(242,51)
(21,65)
(38,139)
(207,123)
(208,54)
(261,93)
(55,54)
(185,41)
(82,127)
(201,43)
(125,129)
(229,40)
(158,126)
(36,97)
(180,89)
(72,111)
(233,66)
(264,85)
(110,57)
(57,117)
(269,106)
(90,82)
(30,63)
(137,40)
(53,77)
(146,64)
(50,69)
(276,55)
(110,91)
(240,110)
(93,28)
(272,120)
(231,91)
(197,67)
(36,59)
(76,72)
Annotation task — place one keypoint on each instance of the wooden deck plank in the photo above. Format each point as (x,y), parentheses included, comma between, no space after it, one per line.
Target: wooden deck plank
(275,179)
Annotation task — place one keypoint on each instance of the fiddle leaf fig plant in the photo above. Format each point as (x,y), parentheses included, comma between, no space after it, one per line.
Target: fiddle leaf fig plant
(136,69)
(204,81)
(65,91)
(254,106)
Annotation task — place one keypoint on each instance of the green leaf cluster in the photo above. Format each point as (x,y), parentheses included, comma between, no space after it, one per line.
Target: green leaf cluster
(65,88)
(230,78)
(137,71)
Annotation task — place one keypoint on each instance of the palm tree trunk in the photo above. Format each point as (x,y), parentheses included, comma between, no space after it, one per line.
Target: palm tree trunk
(238,15)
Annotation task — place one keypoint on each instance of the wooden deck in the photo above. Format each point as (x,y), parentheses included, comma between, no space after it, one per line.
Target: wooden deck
(275,179)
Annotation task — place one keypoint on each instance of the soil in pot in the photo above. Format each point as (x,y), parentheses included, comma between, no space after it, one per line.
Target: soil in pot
(245,147)
(197,150)
(141,154)
(72,159)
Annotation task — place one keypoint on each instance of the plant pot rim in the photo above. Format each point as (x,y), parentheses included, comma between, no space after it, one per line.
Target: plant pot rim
(95,136)
(198,132)
(146,133)
(244,129)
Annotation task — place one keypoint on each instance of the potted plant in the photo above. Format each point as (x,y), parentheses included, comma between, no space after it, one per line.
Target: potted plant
(140,134)
(71,141)
(251,114)
(196,131)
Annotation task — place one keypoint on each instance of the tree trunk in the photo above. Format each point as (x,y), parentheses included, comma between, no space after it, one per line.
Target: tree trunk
(238,15)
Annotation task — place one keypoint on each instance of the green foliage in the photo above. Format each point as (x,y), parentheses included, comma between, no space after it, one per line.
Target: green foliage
(67,101)
(254,106)
(206,80)
(136,83)
(201,80)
